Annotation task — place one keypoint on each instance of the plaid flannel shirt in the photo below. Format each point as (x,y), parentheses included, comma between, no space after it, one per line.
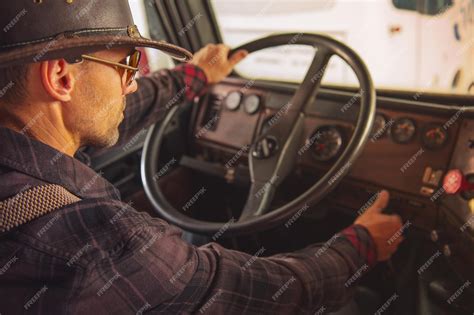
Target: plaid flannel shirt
(101,256)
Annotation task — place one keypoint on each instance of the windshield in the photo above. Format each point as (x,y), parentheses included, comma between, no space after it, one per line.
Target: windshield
(406,44)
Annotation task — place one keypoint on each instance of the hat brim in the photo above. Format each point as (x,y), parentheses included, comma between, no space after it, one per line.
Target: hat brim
(73,47)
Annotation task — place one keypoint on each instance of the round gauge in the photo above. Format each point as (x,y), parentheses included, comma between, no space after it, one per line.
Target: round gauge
(232,100)
(403,130)
(378,128)
(328,143)
(252,104)
(434,136)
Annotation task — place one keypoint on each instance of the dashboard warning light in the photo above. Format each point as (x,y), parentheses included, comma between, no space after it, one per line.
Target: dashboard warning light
(455,182)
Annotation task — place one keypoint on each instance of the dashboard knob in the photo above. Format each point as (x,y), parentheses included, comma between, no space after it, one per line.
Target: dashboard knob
(265,148)
(434,235)
(455,182)
(447,250)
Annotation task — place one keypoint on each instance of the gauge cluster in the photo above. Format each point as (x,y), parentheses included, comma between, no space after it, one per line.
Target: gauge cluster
(327,141)
(408,149)
(251,103)
(433,136)
(404,130)
(401,130)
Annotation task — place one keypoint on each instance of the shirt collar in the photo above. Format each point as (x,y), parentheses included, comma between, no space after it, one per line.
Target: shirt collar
(41,161)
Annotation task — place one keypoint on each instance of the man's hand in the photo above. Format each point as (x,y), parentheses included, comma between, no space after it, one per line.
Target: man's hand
(214,61)
(382,227)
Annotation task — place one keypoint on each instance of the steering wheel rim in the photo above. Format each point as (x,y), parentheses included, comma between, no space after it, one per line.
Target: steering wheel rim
(328,48)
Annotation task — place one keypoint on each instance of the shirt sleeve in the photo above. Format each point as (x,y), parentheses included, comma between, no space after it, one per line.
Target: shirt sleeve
(157,93)
(319,278)
(158,271)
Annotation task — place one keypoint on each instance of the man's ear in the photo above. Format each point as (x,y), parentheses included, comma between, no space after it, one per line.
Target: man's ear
(58,79)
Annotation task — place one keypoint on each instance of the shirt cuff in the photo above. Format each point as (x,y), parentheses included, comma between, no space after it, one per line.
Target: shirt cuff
(360,238)
(195,80)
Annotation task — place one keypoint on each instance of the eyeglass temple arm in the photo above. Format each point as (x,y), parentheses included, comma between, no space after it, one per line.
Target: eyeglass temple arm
(92,58)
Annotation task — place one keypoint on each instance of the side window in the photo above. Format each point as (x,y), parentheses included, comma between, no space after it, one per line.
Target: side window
(435,7)
(428,7)
(405,4)
(145,17)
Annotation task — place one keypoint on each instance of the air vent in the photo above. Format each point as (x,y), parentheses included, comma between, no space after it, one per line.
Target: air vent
(212,115)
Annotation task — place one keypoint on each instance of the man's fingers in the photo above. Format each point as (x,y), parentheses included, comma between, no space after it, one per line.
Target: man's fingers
(395,243)
(396,226)
(223,50)
(381,202)
(211,47)
(223,46)
(397,220)
(237,57)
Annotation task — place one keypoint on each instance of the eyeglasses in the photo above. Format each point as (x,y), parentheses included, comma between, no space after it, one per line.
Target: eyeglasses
(127,68)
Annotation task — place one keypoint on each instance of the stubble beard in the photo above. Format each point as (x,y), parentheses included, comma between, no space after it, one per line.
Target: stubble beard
(111,135)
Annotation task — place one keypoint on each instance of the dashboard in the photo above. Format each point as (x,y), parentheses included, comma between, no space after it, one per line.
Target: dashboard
(411,148)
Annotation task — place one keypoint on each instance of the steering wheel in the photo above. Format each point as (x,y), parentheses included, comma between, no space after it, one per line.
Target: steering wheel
(269,169)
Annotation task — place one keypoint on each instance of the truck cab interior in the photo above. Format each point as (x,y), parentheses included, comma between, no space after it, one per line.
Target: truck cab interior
(336,101)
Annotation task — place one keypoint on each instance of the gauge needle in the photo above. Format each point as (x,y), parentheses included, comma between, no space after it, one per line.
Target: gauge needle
(431,133)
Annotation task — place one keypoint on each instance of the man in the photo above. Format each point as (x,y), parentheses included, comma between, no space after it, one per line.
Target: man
(68,245)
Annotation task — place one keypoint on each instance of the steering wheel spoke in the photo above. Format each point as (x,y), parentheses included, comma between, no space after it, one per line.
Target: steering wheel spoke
(308,89)
(259,199)
(286,132)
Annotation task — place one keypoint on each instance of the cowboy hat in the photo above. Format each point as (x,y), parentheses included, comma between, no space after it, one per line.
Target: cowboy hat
(38,30)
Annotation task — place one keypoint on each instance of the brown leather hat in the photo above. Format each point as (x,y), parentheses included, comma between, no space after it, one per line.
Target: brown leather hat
(37,30)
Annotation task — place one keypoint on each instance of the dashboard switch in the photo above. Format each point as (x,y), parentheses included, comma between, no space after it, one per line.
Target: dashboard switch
(447,250)
(455,182)
(426,191)
(434,235)
(432,177)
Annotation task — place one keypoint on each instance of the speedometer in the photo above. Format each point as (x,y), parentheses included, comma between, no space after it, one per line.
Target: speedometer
(403,130)
(434,136)
(328,143)
(251,104)
(232,100)
(380,123)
